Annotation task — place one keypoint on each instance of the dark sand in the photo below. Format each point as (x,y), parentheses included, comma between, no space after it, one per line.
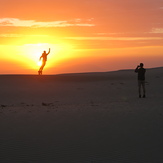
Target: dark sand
(81,118)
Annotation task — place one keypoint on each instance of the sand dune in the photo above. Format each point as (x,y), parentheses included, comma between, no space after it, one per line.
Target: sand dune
(88,117)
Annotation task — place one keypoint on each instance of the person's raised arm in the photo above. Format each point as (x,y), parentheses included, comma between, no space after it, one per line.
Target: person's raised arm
(48,51)
(136,70)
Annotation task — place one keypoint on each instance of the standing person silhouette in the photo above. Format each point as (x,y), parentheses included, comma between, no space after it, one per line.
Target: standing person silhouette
(141,78)
(44,59)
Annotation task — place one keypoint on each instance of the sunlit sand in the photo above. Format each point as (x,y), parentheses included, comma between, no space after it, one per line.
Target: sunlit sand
(89,117)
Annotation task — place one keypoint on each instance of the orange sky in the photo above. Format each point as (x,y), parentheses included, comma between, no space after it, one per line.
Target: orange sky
(84,35)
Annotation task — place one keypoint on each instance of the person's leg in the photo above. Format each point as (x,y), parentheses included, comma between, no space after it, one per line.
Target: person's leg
(143,86)
(42,66)
(139,88)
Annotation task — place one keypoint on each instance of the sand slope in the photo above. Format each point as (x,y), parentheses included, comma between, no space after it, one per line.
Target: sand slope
(89,117)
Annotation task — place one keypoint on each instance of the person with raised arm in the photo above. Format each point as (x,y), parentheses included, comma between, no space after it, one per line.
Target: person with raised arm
(44,59)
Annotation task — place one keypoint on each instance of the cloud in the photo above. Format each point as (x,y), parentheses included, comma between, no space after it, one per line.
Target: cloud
(157,30)
(116,38)
(20,35)
(32,23)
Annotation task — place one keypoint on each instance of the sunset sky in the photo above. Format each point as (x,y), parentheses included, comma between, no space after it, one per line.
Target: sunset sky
(84,35)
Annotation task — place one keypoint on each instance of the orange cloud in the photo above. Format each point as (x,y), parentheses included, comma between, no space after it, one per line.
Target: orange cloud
(32,23)
(116,38)
(157,30)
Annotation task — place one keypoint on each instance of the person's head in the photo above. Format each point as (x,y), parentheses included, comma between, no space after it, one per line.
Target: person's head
(141,65)
(44,51)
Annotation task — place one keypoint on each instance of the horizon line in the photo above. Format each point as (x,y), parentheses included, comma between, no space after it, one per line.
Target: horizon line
(34,74)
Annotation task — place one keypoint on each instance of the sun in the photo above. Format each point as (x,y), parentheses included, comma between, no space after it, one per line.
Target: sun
(39,63)
(30,54)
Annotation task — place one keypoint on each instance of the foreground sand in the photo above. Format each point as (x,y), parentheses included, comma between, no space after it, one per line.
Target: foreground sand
(87,118)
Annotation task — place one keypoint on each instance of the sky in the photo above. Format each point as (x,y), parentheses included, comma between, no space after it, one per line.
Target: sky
(84,35)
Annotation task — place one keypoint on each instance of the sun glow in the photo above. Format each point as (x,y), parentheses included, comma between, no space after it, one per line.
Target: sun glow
(39,63)
(25,58)
(32,53)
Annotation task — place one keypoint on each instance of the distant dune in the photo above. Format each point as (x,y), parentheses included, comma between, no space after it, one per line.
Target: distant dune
(81,117)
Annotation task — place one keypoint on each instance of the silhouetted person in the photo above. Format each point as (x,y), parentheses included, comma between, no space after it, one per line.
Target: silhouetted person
(44,59)
(141,78)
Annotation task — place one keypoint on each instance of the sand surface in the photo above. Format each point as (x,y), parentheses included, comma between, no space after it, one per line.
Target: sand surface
(81,118)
